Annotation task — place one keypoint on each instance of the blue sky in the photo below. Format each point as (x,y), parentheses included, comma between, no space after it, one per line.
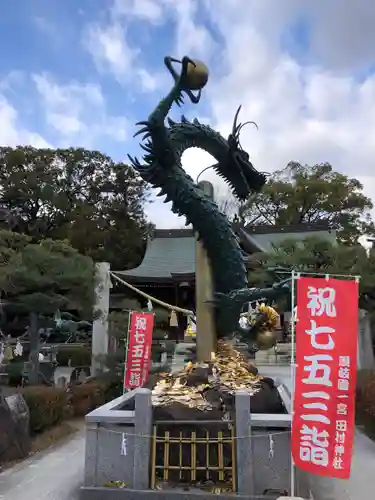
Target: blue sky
(81,72)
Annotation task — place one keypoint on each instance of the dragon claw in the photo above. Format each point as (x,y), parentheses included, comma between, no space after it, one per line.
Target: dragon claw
(220,300)
(181,79)
(185,63)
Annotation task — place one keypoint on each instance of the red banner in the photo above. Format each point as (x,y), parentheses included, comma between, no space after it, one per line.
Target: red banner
(326,357)
(139,349)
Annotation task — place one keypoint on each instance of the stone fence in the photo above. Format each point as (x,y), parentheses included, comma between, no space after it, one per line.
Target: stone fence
(119,441)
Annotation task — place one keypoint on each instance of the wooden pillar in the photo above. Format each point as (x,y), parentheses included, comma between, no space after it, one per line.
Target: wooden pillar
(206,335)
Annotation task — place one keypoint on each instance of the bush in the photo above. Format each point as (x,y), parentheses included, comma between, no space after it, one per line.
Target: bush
(78,356)
(47,406)
(366,392)
(15,373)
(86,397)
(113,385)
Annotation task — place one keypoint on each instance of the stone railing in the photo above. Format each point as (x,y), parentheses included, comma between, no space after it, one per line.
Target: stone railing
(119,439)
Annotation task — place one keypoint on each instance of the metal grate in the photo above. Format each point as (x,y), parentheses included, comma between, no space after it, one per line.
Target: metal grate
(196,454)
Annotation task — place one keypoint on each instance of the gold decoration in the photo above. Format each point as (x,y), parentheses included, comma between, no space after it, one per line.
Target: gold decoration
(232,372)
(189,332)
(197,76)
(115,484)
(273,317)
(266,339)
(188,367)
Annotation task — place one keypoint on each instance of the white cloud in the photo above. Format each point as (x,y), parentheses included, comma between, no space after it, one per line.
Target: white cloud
(110,49)
(108,45)
(309,113)
(311,107)
(146,10)
(343,36)
(12,133)
(78,112)
(191,35)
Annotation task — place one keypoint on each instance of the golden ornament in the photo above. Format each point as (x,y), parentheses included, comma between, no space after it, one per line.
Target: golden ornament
(273,317)
(233,371)
(197,76)
(266,339)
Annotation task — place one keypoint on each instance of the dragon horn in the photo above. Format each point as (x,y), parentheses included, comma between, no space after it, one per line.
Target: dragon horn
(235,126)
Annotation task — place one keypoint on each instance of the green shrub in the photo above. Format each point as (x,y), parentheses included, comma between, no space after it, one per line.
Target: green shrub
(15,372)
(47,406)
(113,386)
(78,356)
(86,397)
(365,396)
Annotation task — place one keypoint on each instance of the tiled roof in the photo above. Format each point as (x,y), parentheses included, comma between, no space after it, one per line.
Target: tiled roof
(268,241)
(170,253)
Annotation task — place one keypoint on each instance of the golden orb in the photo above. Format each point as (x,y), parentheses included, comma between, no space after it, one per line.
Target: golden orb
(197,76)
(266,339)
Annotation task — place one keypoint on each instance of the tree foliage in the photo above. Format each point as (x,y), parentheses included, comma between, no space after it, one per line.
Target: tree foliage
(43,277)
(303,194)
(318,256)
(78,195)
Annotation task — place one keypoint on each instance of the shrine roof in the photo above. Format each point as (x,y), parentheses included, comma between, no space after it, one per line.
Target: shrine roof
(170,253)
(270,236)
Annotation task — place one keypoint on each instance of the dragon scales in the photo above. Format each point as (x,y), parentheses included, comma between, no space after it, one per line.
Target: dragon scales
(162,168)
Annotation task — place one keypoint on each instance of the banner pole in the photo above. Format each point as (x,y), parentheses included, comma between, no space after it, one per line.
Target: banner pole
(293,382)
(124,390)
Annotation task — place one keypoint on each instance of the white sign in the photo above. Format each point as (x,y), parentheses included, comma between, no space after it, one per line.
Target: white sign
(124,450)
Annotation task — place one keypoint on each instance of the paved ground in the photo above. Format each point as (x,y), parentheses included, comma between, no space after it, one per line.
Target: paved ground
(361,485)
(55,474)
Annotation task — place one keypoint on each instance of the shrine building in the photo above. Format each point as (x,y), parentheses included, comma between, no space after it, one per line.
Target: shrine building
(167,271)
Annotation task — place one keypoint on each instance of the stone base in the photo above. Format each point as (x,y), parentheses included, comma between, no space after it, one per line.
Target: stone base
(120,421)
(87,493)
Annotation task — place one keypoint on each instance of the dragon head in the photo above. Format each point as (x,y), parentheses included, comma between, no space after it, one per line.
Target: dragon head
(238,169)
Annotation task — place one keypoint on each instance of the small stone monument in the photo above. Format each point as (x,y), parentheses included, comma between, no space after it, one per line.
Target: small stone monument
(14,428)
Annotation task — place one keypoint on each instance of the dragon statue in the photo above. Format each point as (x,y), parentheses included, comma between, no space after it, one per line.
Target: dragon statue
(164,145)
